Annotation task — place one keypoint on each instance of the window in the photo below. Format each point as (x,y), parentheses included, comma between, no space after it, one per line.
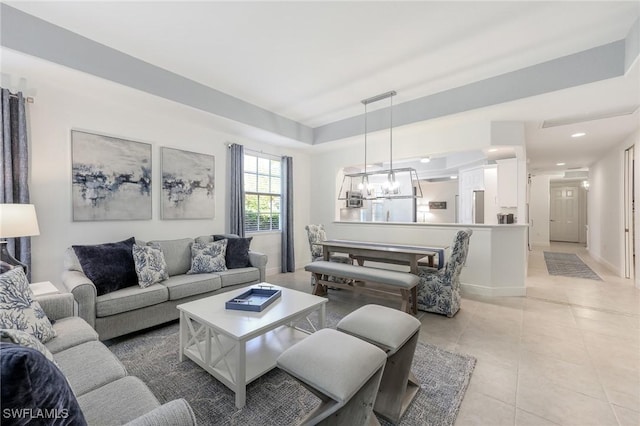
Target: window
(261,194)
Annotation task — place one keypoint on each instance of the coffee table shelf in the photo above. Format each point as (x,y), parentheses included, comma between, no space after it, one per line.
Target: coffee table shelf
(261,354)
(237,347)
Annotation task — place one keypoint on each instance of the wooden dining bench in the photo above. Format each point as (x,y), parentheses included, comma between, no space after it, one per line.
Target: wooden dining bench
(381,282)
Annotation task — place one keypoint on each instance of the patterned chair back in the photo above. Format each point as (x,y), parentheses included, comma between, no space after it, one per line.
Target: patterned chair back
(316,234)
(458,255)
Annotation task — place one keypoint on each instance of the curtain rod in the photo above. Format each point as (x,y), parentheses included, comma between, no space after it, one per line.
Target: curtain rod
(254,151)
(29,99)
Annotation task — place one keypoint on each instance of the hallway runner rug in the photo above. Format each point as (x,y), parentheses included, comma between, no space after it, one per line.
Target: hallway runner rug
(276,398)
(568,265)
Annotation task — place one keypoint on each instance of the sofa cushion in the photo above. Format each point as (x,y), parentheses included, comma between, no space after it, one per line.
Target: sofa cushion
(89,366)
(71,331)
(150,264)
(175,412)
(217,237)
(71,262)
(177,254)
(109,266)
(181,286)
(118,402)
(19,310)
(237,254)
(208,257)
(25,339)
(129,299)
(239,276)
(33,384)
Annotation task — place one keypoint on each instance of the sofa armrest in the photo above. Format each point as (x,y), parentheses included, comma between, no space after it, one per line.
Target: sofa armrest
(57,306)
(84,292)
(174,413)
(259,260)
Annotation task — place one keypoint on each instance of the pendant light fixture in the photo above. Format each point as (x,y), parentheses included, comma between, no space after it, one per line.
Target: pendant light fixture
(391,186)
(364,186)
(384,184)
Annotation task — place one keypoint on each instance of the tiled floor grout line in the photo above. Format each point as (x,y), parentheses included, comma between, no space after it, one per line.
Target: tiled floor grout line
(593,308)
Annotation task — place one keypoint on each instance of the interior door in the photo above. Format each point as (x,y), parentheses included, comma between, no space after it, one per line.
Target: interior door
(565,214)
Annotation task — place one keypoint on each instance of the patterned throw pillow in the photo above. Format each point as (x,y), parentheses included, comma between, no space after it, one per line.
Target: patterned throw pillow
(18,309)
(151,267)
(25,339)
(208,257)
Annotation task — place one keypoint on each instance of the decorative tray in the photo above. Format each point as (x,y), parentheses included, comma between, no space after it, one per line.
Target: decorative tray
(255,299)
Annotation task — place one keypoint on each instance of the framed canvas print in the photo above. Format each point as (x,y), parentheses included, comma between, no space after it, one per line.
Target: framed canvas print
(111,178)
(188,185)
(437,205)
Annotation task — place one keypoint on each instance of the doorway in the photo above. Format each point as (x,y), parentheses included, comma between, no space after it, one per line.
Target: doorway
(629,207)
(566,215)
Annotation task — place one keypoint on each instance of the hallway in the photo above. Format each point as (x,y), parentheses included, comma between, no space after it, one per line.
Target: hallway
(613,294)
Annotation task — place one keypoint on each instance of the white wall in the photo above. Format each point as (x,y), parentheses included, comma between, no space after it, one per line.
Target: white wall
(438,191)
(66,100)
(539,210)
(605,206)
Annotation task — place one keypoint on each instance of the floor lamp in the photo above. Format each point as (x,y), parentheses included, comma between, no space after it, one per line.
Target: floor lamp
(16,220)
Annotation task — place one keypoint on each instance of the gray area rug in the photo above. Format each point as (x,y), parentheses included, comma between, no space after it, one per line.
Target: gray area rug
(568,265)
(276,398)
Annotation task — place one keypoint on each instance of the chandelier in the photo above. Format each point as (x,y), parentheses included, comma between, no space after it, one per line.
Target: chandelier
(390,183)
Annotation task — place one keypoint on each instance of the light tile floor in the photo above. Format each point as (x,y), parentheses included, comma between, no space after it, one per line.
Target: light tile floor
(566,354)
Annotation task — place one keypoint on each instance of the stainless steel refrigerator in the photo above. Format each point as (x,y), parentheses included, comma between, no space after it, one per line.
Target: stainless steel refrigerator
(478,207)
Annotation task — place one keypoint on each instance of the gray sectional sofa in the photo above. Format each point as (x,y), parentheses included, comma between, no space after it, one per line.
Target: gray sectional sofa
(106,394)
(134,308)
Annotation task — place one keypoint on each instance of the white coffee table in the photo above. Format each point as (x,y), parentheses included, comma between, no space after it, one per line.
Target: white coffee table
(236,347)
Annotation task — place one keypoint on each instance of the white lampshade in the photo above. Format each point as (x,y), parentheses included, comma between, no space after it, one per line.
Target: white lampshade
(18,220)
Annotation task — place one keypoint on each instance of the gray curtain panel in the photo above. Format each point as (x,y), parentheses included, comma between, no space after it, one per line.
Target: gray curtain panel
(236,179)
(288,261)
(14,168)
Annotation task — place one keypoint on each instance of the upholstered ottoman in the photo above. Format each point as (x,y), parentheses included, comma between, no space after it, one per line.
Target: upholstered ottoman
(341,370)
(396,333)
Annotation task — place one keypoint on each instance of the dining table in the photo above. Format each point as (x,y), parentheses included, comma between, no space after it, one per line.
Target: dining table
(403,254)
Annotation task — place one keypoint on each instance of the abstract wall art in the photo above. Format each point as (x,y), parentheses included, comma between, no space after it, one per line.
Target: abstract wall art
(188,185)
(111,178)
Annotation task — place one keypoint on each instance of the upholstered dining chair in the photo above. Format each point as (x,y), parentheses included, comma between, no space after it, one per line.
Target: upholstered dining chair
(316,235)
(439,289)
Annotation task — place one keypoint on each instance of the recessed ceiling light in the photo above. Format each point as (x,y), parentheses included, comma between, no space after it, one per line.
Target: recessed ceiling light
(425,159)
(560,164)
(493,149)
(453,177)
(578,135)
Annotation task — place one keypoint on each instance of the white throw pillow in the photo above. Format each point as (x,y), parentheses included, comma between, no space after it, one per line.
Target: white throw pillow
(208,257)
(19,310)
(151,266)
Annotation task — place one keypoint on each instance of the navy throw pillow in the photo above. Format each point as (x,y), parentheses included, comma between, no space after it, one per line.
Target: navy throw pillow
(34,391)
(110,266)
(237,255)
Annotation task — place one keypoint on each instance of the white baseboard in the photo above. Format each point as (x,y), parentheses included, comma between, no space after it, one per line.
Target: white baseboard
(272,271)
(481,290)
(606,263)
